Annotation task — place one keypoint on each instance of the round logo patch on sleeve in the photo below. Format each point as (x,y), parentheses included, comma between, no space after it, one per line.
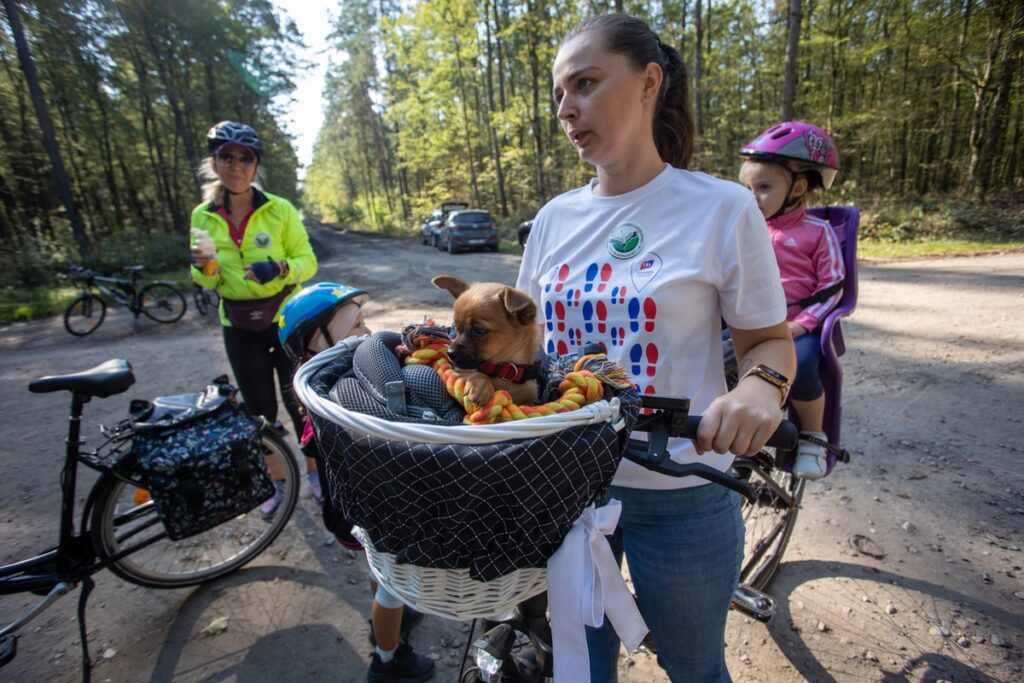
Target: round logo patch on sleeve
(626,241)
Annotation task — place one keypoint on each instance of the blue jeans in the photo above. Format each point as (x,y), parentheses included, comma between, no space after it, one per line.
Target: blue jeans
(807,385)
(684,548)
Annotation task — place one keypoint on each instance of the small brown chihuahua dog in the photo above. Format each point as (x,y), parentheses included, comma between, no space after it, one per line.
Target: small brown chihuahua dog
(498,339)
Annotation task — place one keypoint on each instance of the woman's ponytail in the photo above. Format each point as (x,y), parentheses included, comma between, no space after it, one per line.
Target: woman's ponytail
(673,123)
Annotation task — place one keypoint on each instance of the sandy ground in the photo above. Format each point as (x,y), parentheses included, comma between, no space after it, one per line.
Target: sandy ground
(934,391)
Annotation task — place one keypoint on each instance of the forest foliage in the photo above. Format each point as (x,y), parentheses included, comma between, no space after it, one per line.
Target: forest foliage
(429,100)
(131,88)
(438,99)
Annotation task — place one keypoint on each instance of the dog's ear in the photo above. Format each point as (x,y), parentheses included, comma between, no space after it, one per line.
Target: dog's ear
(450,284)
(519,305)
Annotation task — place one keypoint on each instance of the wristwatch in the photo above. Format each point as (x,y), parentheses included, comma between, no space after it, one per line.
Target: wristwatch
(772,376)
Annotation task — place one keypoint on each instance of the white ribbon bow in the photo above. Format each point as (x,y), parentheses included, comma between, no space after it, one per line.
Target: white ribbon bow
(585,583)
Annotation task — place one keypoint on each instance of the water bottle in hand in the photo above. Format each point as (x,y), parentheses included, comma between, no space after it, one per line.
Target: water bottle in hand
(208,249)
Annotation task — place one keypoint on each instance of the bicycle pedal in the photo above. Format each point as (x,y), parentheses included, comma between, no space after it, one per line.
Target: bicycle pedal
(754,603)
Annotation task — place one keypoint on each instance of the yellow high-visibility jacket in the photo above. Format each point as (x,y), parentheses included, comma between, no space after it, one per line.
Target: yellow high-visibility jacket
(275,230)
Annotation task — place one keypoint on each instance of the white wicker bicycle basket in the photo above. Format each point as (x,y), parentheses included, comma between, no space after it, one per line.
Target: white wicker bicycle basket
(451,593)
(458,521)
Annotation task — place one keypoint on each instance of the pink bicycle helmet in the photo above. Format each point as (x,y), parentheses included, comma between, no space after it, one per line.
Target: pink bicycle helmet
(800,146)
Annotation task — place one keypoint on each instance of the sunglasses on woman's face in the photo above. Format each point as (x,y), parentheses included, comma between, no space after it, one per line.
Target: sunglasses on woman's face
(229,159)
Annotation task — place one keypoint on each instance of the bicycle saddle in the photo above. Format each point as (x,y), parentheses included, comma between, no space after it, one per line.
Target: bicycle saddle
(106,379)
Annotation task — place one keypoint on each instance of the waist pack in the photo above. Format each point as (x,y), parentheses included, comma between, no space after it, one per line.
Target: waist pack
(200,457)
(255,315)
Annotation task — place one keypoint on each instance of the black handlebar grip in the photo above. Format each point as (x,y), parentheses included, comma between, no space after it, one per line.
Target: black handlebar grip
(784,438)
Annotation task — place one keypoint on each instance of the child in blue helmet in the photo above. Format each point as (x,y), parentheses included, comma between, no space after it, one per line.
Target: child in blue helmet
(314,320)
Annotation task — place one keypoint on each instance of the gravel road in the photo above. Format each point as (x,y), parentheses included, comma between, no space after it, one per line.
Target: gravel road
(934,390)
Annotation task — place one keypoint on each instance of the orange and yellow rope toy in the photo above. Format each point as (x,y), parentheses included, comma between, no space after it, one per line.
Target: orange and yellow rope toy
(579,388)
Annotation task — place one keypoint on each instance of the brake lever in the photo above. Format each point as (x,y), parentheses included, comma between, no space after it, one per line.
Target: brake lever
(671,419)
(647,455)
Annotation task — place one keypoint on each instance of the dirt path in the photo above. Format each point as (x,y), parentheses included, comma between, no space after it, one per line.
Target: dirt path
(935,384)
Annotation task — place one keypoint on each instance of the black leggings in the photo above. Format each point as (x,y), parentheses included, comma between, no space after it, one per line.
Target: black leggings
(254,358)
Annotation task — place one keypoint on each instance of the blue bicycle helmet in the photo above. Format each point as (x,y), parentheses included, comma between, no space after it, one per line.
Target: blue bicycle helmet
(311,309)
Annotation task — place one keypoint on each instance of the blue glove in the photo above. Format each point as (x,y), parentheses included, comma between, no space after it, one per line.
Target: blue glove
(265,271)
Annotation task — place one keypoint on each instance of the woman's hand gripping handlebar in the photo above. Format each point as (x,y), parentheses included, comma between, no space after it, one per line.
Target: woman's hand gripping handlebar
(671,418)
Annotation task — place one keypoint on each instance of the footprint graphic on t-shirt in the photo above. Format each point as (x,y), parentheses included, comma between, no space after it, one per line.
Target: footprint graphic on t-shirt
(634,314)
(602,317)
(652,359)
(636,354)
(563,274)
(650,313)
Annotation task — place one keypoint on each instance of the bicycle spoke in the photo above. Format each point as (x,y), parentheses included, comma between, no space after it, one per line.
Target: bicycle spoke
(769,520)
(162,302)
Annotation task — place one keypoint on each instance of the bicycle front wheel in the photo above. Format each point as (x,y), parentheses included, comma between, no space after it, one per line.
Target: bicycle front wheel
(128,534)
(769,521)
(162,302)
(84,314)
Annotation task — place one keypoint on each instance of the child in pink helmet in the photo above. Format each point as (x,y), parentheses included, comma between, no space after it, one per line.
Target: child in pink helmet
(782,166)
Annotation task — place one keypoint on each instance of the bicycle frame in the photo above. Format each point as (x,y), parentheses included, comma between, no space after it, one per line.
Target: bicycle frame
(58,569)
(121,290)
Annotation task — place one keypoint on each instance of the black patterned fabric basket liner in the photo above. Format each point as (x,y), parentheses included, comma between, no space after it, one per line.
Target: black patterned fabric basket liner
(490,499)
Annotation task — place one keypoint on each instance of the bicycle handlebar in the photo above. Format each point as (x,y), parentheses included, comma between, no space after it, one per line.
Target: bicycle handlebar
(133,274)
(672,419)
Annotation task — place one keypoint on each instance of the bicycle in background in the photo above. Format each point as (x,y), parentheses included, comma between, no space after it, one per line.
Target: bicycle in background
(159,300)
(206,300)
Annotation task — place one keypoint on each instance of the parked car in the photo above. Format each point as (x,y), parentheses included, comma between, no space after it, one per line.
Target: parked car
(524,231)
(470,229)
(430,230)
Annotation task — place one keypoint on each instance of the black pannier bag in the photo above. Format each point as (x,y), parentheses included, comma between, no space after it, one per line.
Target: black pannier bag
(200,457)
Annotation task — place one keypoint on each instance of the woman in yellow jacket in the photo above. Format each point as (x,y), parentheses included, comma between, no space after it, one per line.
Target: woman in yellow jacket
(262,254)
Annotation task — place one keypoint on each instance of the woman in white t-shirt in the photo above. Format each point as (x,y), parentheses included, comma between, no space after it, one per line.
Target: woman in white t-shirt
(649,259)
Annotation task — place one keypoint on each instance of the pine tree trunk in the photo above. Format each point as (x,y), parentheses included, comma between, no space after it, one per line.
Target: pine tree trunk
(1000,107)
(698,74)
(980,116)
(952,145)
(491,133)
(535,123)
(470,147)
(792,49)
(60,174)
(154,148)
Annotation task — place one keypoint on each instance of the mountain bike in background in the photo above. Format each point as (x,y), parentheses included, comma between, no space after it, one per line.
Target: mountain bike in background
(159,300)
(206,300)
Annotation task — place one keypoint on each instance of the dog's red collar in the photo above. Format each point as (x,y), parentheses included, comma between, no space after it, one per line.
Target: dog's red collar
(510,371)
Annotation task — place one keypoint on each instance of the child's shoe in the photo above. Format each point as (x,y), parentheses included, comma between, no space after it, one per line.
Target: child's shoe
(270,505)
(811,462)
(314,486)
(405,667)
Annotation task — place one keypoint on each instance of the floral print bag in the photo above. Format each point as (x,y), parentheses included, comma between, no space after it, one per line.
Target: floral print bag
(203,470)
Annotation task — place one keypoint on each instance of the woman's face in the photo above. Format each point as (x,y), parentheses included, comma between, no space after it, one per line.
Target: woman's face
(236,166)
(604,104)
(768,182)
